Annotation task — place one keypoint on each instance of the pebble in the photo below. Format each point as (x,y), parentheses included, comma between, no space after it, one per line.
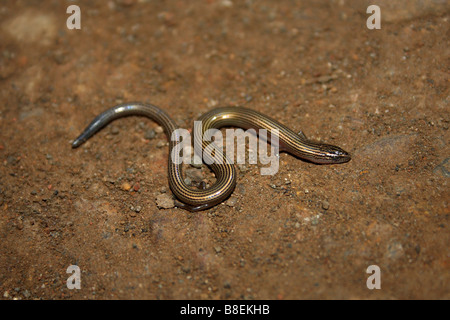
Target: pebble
(33,27)
(161,144)
(226,3)
(150,134)
(165,201)
(159,129)
(26,294)
(125,186)
(134,210)
(231,202)
(108,179)
(325,205)
(394,250)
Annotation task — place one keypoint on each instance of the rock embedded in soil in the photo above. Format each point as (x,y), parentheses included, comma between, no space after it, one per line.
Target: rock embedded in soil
(165,201)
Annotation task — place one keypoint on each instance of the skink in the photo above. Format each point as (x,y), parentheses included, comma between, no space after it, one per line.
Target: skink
(199,199)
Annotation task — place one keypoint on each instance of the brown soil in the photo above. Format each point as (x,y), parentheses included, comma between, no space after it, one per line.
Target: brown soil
(310,231)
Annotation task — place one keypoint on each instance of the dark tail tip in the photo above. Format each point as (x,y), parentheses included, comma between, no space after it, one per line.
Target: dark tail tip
(77,143)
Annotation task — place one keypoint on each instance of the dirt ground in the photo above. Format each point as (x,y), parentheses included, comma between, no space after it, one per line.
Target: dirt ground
(308,232)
